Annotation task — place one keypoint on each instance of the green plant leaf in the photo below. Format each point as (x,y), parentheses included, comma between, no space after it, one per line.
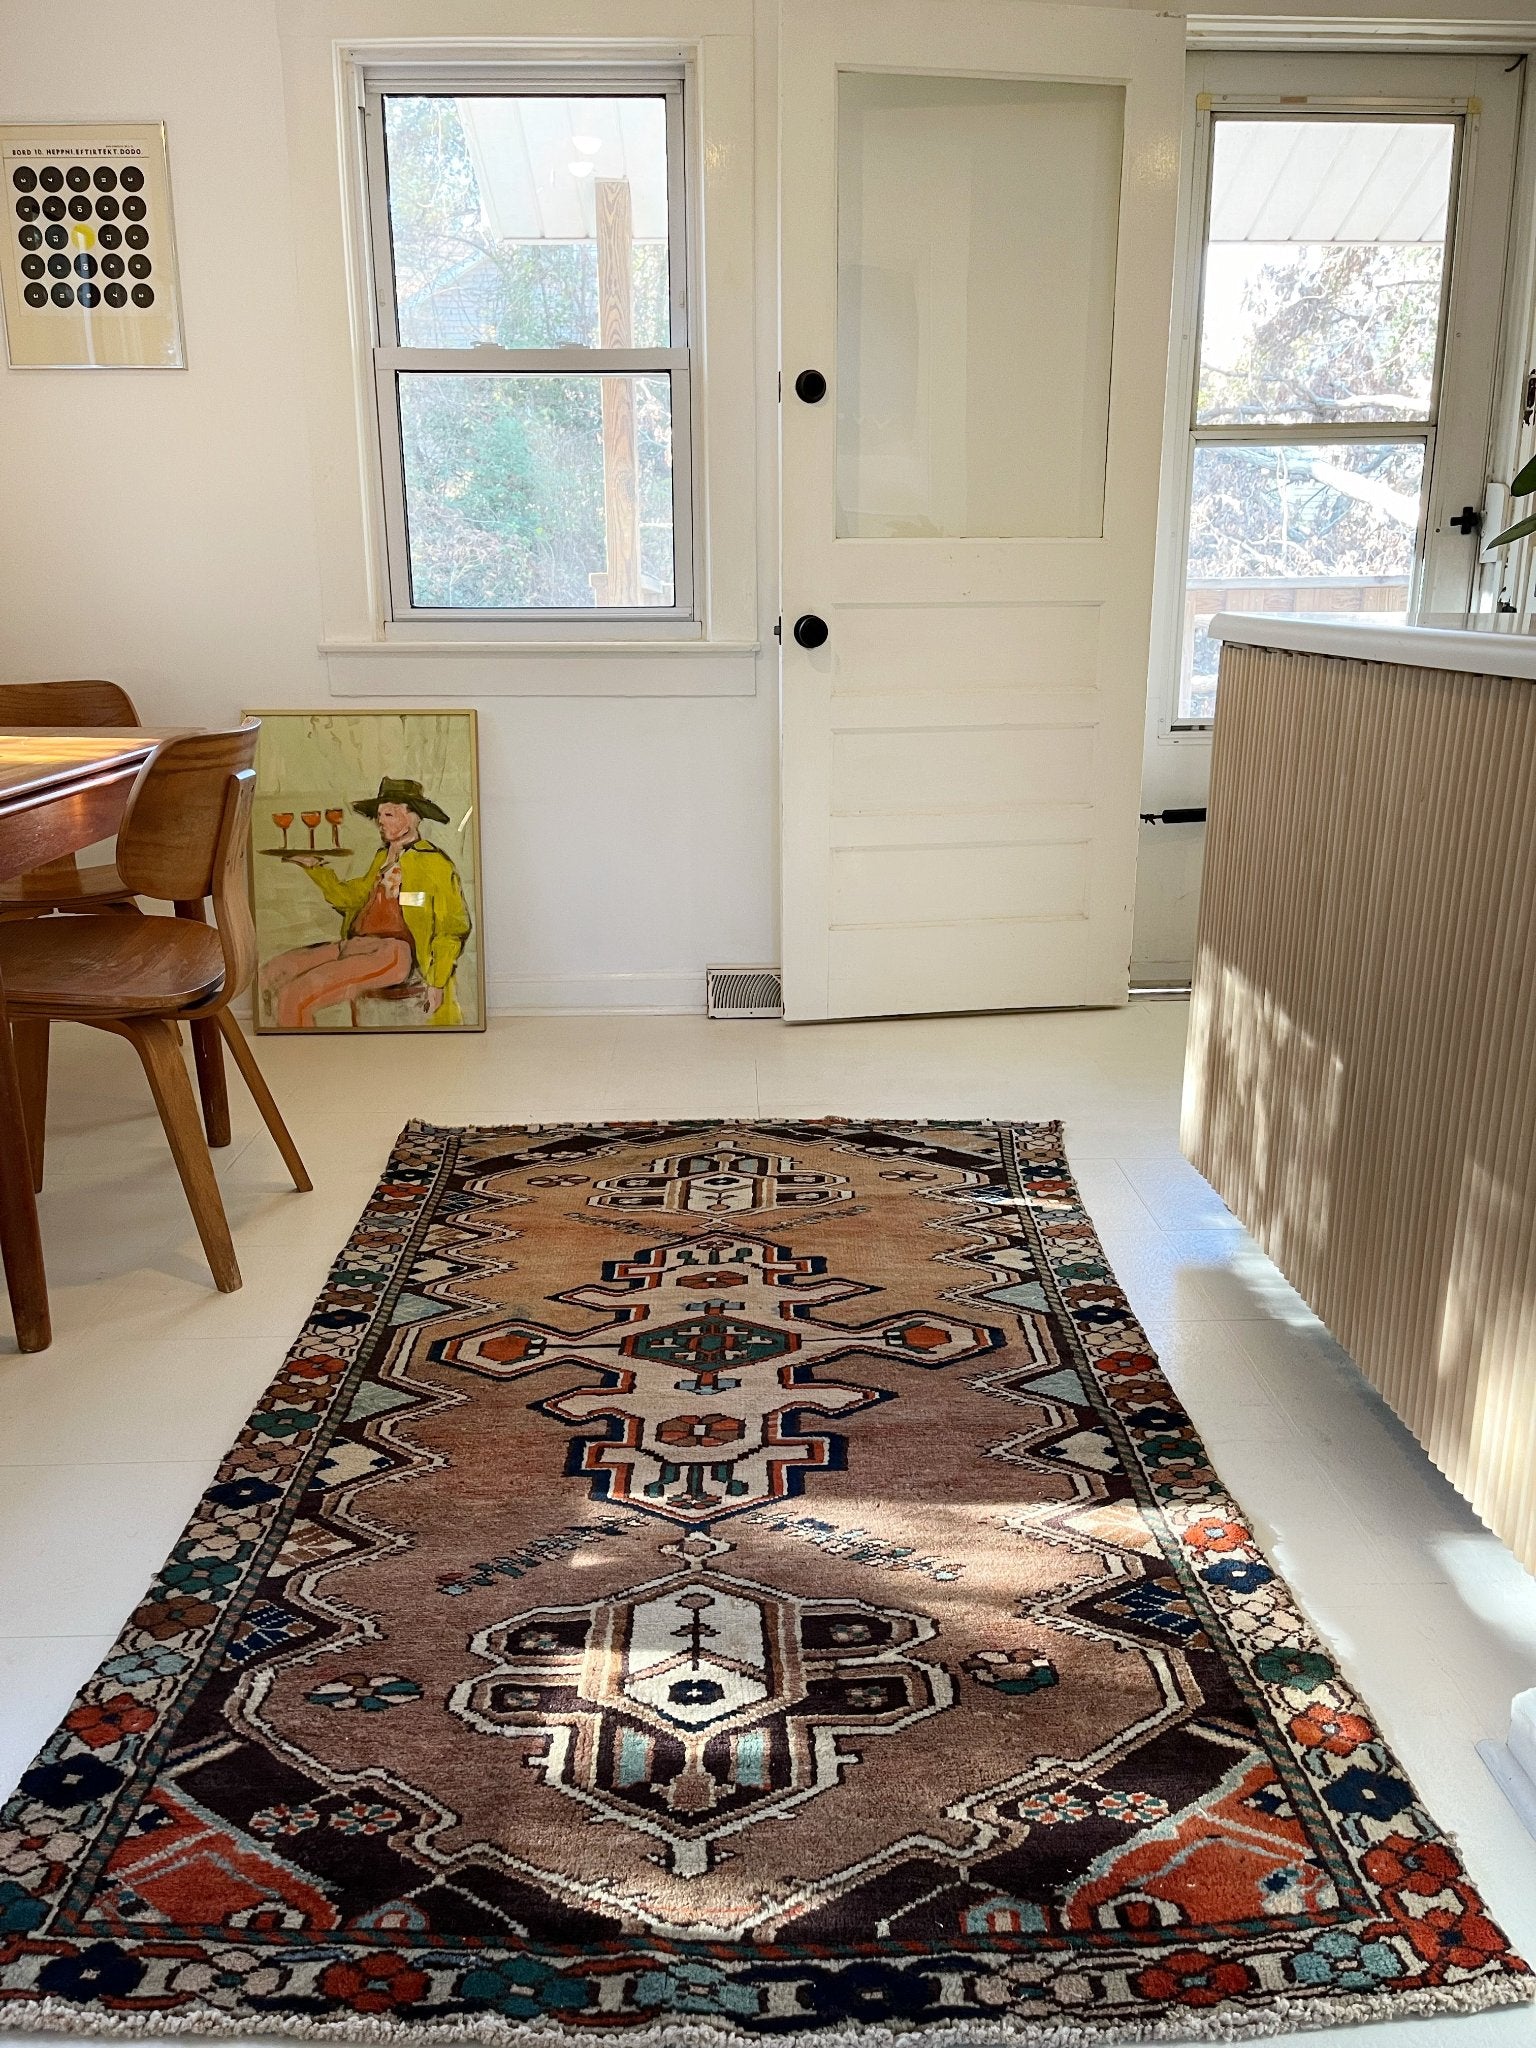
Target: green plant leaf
(1518,531)
(1525,482)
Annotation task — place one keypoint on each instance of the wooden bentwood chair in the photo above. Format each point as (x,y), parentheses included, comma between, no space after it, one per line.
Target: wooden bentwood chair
(64,885)
(182,840)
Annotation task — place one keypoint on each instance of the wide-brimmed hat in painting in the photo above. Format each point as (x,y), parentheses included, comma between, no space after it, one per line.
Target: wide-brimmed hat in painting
(394,790)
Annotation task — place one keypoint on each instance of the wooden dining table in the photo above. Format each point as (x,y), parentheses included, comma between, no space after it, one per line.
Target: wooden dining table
(61,790)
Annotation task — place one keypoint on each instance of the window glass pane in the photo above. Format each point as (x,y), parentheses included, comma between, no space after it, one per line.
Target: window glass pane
(538,492)
(977,222)
(1323,270)
(1295,529)
(529,221)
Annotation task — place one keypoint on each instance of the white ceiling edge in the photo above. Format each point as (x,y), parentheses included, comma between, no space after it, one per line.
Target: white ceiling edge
(1362,32)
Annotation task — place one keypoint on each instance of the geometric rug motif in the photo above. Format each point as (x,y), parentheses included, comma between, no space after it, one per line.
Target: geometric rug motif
(749,1578)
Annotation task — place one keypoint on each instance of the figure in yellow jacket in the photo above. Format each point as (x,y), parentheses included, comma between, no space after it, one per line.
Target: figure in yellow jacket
(403,922)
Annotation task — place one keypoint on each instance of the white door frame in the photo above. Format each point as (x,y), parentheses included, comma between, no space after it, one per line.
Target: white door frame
(1466,440)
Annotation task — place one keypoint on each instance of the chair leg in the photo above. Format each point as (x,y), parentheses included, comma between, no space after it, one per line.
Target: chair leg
(29,1035)
(261,1094)
(157,1040)
(208,1055)
(208,1058)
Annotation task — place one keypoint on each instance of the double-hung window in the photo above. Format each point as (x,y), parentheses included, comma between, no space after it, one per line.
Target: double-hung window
(532,347)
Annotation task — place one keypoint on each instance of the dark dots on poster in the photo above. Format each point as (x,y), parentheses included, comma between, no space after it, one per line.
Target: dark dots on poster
(85,246)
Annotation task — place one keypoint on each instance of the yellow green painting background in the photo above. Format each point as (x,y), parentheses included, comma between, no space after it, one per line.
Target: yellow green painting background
(318,761)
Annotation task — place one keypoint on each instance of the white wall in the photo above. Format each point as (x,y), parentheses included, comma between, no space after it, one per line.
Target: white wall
(159,528)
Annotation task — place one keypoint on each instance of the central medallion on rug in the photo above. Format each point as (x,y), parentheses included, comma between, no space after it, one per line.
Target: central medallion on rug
(750,1574)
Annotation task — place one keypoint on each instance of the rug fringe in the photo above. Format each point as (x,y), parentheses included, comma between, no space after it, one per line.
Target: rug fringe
(1282,2016)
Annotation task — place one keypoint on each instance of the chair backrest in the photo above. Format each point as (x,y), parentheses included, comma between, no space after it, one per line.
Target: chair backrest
(92,703)
(184,835)
(170,844)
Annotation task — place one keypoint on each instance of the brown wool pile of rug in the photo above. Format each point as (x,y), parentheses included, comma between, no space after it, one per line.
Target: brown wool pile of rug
(695,1581)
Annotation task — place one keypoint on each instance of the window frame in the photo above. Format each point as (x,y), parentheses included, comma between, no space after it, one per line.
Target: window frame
(1344,85)
(601,78)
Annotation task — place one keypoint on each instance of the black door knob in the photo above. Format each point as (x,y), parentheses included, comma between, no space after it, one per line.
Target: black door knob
(811,386)
(810,631)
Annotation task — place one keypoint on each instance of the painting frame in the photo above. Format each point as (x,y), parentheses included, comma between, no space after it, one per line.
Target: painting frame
(282,928)
(89,276)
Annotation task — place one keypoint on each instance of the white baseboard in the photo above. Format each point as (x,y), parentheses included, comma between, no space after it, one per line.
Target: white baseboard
(677,992)
(1159,973)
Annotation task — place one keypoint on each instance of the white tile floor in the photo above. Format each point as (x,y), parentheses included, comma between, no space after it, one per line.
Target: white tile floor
(107,1439)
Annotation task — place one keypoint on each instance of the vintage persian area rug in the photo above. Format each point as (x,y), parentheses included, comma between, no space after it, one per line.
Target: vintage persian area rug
(708,1582)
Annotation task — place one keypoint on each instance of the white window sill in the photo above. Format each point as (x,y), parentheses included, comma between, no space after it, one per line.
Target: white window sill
(542,668)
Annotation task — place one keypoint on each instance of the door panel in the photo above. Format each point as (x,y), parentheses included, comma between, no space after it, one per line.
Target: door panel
(1019,648)
(960,770)
(978,209)
(921,884)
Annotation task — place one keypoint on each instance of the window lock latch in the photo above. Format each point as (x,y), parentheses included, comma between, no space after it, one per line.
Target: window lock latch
(1468,520)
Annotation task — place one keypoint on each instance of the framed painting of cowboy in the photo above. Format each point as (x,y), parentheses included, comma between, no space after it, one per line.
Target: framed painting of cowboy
(365,872)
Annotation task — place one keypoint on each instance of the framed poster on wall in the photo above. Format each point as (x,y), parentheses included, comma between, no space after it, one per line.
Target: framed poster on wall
(88,266)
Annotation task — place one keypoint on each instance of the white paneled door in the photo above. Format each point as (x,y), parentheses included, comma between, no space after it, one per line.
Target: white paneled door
(978,204)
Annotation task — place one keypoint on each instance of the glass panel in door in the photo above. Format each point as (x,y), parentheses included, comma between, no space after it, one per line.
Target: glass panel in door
(977,228)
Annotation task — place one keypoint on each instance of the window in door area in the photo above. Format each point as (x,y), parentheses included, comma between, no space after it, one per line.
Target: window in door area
(532,363)
(1317,376)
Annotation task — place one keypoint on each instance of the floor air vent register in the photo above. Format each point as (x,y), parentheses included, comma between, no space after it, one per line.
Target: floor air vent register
(745,992)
